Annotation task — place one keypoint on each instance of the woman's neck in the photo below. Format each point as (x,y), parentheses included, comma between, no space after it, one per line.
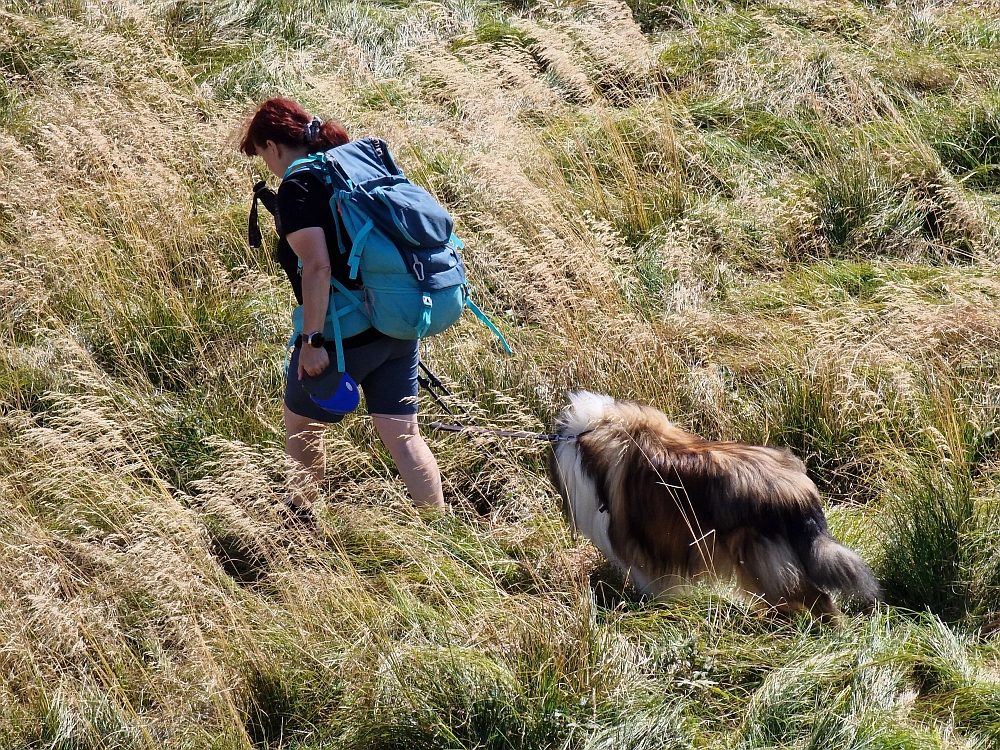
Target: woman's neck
(289,155)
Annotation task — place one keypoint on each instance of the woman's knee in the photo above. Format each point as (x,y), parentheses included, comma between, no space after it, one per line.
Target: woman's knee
(303,437)
(296,423)
(400,433)
(396,426)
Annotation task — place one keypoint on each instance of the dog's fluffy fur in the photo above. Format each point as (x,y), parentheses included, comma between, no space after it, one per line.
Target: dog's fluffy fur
(680,509)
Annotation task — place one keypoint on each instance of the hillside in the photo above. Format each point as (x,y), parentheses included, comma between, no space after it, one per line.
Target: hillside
(776,220)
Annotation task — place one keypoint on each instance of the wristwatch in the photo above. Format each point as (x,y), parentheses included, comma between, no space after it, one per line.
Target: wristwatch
(316,340)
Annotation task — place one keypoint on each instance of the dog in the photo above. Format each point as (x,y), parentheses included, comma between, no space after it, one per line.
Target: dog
(671,509)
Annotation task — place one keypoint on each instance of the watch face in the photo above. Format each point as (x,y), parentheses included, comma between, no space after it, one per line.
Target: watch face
(316,340)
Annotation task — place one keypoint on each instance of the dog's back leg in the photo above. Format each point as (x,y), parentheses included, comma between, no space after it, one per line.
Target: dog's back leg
(770,570)
(820,604)
(813,600)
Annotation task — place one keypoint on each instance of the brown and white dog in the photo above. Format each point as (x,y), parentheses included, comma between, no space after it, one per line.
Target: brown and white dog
(670,508)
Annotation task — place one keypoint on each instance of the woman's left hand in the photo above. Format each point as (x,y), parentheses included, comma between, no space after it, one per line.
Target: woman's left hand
(313,361)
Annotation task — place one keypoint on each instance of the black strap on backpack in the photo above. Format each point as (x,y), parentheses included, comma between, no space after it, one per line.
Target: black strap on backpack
(382,149)
(264,194)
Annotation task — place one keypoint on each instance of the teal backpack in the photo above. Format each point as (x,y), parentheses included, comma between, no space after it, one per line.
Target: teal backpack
(402,246)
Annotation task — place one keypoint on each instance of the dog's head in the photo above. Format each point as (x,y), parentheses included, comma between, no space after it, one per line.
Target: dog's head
(584,412)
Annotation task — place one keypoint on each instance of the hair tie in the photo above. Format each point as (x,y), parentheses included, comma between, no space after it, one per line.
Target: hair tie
(312,129)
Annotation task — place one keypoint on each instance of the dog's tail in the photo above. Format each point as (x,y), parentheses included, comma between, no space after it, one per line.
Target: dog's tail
(834,567)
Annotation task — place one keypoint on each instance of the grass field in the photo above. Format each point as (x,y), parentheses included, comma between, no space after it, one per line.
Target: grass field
(776,220)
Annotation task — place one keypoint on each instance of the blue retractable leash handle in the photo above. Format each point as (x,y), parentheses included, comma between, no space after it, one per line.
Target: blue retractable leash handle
(344,400)
(333,390)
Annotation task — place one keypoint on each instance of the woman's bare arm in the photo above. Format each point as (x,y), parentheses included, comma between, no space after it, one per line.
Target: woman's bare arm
(309,245)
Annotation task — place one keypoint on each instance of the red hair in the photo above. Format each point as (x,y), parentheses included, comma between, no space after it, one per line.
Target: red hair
(284,121)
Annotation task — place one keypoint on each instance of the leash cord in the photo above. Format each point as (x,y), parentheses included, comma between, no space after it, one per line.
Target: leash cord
(429,382)
(516,434)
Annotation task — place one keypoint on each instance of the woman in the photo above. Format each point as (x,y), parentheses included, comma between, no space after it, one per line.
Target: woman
(281,132)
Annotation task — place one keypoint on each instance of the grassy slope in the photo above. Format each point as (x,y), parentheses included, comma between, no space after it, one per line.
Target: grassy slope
(775,220)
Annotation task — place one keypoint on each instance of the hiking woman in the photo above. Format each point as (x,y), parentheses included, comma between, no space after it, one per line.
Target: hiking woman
(281,132)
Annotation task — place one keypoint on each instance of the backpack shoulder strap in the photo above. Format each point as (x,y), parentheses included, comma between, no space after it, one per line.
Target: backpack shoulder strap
(315,163)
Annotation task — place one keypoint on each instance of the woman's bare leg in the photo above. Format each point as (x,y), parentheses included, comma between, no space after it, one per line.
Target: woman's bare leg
(304,443)
(417,465)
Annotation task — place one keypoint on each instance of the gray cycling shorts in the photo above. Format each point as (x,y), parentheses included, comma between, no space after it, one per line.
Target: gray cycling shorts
(385,369)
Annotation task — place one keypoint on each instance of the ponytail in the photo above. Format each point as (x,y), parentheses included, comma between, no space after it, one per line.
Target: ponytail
(286,122)
(331,134)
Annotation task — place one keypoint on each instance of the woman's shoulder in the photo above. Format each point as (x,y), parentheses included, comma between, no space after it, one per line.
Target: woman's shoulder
(301,191)
(303,201)
(302,181)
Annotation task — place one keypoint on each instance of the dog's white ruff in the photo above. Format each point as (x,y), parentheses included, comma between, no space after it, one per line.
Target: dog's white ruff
(585,412)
